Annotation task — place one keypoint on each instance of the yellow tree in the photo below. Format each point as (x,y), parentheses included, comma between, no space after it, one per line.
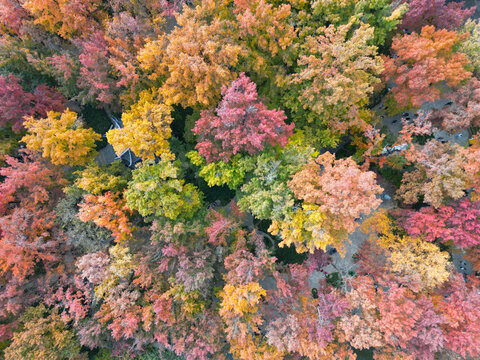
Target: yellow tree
(98,179)
(471,45)
(61,138)
(411,258)
(381,15)
(146,128)
(157,189)
(267,32)
(195,59)
(305,228)
(240,309)
(420,264)
(109,270)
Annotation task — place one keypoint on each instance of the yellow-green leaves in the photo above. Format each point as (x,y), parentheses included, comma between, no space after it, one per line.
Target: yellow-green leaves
(304,228)
(221,173)
(156,190)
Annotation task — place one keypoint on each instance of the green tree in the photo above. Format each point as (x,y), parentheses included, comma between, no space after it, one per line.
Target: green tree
(156,190)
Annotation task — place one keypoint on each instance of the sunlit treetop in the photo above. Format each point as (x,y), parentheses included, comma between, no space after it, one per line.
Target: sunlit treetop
(195,60)
(241,124)
(422,63)
(61,138)
(146,128)
(339,70)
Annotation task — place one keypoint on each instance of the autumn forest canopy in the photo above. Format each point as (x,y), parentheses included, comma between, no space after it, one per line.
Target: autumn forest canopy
(239,179)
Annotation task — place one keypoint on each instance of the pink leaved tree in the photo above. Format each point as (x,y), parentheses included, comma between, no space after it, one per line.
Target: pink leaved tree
(241,124)
(458,222)
(95,81)
(298,322)
(410,323)
(16,103)
(13,15)
(31,245)
(461,310)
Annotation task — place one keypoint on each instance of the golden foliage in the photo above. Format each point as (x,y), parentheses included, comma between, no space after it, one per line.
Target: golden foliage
(239,309)
(305,228)
(241,300)
(419,263)
(411,258)
(146,128)
(97,179)
(67,18)
(61,138)
(195,58)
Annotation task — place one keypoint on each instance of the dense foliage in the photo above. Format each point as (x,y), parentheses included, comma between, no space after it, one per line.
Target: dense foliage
(283,179)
